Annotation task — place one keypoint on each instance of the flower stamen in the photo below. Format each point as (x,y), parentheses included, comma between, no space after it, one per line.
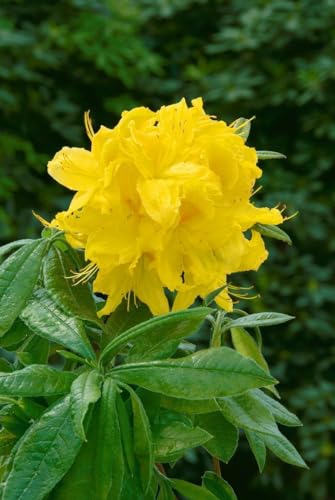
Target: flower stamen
(88,125)
(84,275)
(40,219)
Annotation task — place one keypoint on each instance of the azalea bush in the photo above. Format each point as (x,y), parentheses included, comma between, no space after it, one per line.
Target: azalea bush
(107,381)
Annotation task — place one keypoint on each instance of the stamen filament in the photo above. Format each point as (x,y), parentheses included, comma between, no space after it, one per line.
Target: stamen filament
(242,124)
(88,125)
(84,275)
(256,191)
(40,219)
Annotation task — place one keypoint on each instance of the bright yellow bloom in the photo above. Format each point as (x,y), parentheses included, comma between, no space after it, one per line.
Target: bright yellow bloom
(163,201)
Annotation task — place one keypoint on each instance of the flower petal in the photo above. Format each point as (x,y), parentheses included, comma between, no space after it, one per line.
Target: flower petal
(74,168)
(161,200)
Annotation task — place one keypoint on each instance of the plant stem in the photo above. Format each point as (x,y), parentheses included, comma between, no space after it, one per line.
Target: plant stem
(216,342)
(160,467)
(216,466)
(216,335)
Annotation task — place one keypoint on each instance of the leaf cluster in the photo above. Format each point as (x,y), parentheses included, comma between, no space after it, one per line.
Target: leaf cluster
(92,408)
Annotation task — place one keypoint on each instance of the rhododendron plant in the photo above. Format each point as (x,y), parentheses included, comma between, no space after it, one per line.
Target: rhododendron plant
(122,347)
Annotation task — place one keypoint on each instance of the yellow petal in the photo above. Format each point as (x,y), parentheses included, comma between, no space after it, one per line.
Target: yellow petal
(224,301)
(149,288)
(99,141)
(185,298)
(169,264)
(186,170)
(116,284)
(223,162)
(251,215)
(254,253)
(74,168)
(161,200)
(197,103)
(80,199)
(114,240)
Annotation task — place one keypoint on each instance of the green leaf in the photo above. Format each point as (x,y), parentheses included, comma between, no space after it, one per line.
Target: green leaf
(269,155)
(257,445)
(45,318)
(43,456)
(75,299)
(31,409)
(143,445)
(165,491)
(17,333)
(214,372)
(109,465)
(85,390)
(7,441)
(18,277)
(13,425)
(156,333)
(273,232)
(126,316)
(36,380)
(192,491)
(259,319)
(78,481)
(188,406)
(218,486)
(242,126)
(126,434)
(151,402)
(225,435)
(246,411)
(132,489)
(12,420)
(26,409)
(35,350)
(48,232)
(109,462)
(72,356)
(173,434)
(153,489)
(98,471)
(280,413)
(246,345)
(5,463)
(17,410)
(6,399)
(163,335)
(5,366)
(13,245)
(284,449)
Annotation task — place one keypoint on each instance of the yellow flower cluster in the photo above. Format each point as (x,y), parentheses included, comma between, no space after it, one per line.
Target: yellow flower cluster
(163,201)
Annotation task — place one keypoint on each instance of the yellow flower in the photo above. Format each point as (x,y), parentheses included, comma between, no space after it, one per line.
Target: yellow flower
(163,201)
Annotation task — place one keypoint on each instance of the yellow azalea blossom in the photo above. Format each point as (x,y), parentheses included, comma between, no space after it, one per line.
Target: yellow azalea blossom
(163,202)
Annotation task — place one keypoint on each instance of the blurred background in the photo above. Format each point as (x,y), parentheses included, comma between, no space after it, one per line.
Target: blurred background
(271,58)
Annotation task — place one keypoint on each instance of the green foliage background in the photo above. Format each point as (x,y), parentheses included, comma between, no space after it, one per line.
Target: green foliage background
(271,58)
